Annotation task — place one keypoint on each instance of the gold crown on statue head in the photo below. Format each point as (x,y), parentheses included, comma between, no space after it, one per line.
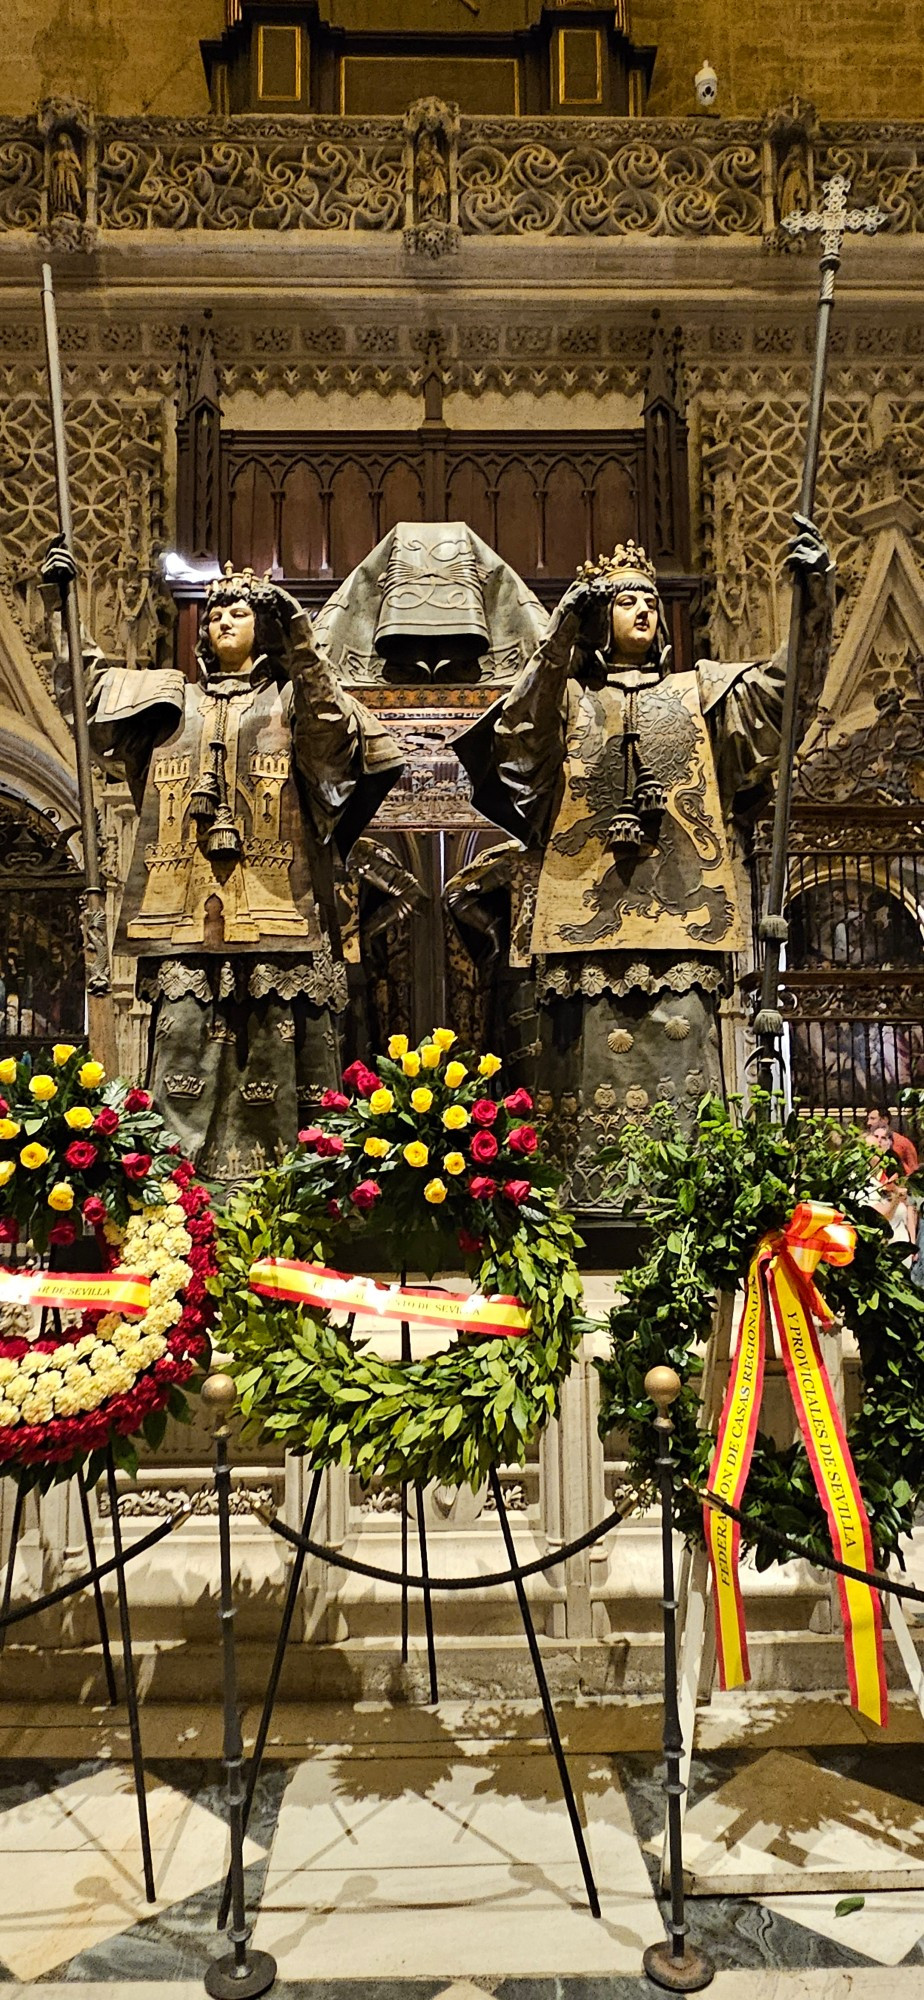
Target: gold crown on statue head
(240,583)
(627,561)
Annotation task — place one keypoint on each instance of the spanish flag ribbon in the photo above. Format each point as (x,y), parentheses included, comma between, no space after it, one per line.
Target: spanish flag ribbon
(780,1284)
(315,1285)
(125,1292)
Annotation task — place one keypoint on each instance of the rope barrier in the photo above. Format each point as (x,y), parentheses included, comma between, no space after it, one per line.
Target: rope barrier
(876,1577)
(490,1581)
(96,1574)
(407,1579)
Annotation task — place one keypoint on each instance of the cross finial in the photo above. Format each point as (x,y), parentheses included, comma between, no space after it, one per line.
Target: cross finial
(833,218)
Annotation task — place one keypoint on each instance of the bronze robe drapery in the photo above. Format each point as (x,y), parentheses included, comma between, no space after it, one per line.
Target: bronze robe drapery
(609,987)
(241,955)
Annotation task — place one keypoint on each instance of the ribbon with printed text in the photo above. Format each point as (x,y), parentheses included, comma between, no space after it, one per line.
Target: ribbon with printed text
(125,1292)
(335,1291)
(781,1293)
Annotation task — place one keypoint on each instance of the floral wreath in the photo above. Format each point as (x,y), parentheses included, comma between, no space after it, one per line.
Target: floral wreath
(707,1198)
(80,1161)
(422,1159)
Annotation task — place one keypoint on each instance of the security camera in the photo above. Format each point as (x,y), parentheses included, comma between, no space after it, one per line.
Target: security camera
(706,86)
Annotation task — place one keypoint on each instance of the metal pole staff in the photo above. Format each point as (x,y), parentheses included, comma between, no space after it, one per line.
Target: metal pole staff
(100,1017)
(242,1974)
(832,220)
(677,1965)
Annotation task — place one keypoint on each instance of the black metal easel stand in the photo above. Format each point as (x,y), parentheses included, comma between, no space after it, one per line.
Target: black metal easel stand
(422,1543)
(676,1965)
(545,1697)
(272,1687)
(242,1974)
(131,1686)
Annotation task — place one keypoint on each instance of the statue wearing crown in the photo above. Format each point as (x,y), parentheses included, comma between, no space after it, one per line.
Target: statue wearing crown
(244,780)
(619,779)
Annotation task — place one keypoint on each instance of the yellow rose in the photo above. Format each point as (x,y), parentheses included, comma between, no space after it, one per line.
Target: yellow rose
(62,1053)
(80,1118)
(61,1196)
(34,1156)
(90,1074)
(454,1163)
(435,1191)
(456,1073)
(8,1068)
(9,1128)
(444,1037)
(422,1098)
(430,1055)
(44,1088)
(416,1154)
(411,1063)
(397,1046)
(381,1101)
(489,1065)
(454,1117)
(7,1170)
(376,1148)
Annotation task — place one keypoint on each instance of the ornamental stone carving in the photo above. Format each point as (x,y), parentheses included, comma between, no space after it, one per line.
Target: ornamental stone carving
(432,174)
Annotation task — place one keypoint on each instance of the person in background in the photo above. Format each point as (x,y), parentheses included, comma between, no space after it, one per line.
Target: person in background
(882,1135)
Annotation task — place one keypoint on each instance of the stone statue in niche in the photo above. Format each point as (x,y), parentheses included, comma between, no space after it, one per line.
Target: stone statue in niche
(431,179)
(65,179)
(243,781)
(610,927)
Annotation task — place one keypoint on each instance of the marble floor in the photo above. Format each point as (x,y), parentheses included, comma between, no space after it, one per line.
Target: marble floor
(407,1853)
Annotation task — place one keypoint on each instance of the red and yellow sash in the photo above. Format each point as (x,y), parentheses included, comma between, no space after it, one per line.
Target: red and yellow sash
(315,1285)
(125,1292)
(780,1284)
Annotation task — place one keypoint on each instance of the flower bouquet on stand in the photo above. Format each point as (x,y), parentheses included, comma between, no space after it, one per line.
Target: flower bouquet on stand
(426,1156)
(91,1184)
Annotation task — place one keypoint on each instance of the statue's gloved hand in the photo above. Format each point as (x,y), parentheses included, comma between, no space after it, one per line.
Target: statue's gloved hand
(579,618)
(285,606)
(808,556)
(59,569)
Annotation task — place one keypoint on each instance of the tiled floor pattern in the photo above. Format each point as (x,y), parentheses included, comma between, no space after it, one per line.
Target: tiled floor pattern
(410,1854)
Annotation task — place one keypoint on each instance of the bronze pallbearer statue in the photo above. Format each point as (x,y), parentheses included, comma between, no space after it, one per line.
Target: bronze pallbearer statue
(242,780)
(619,776)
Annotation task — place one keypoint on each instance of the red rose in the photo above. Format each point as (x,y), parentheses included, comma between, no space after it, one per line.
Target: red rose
(334,1100)
(469,1244)
(80,1153)
(517,1191)
(309,1135)
(329,1144)
(4,1107)
(9,1229)
(482,1187)
(523,1139)
(106,1121)
(138,1100)
(63,1232)
(333,1210)
(484,1148)
(518,1103)
(361,1078)
(94,1211)
(136,1166)
(365,1196)
(484,1111)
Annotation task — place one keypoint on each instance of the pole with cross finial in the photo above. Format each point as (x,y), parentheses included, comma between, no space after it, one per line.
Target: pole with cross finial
(831,222)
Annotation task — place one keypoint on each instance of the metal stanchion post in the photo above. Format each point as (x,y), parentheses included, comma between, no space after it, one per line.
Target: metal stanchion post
(241,1974)
(676,1965)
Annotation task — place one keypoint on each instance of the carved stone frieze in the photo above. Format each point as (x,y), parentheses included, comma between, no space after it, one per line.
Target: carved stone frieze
(435,176)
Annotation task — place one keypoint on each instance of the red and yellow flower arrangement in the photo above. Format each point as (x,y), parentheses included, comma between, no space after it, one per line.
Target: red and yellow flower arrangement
(84,1160)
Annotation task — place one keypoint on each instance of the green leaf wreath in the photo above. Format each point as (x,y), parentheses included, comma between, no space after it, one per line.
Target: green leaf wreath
(707,1198)
(423,1158)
